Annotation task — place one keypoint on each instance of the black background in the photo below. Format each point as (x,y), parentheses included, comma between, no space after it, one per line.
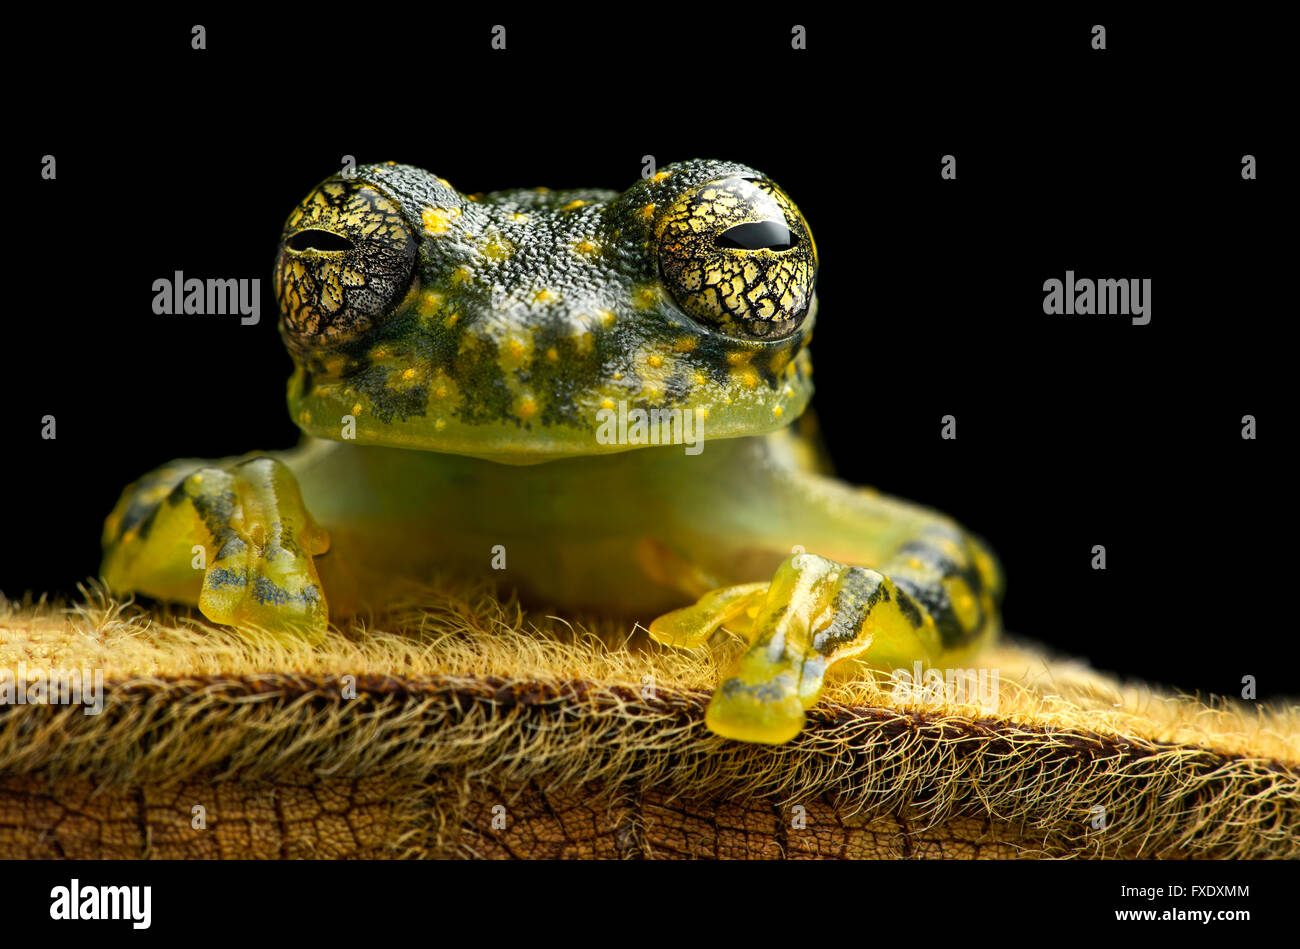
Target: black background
(1071,431)
(514,899)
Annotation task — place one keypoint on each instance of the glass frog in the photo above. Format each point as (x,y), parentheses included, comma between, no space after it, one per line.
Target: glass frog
(607,389)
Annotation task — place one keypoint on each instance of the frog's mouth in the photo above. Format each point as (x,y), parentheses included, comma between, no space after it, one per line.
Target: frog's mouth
(522,408)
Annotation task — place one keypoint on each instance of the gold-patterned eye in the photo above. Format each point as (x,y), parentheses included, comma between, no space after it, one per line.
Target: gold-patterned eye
(737,255)
(346,258)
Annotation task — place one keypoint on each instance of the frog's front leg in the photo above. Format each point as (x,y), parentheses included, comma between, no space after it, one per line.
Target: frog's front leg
(233,537)
(921,589)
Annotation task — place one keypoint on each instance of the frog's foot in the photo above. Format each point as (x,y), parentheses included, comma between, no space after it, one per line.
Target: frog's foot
(815,613)
(236,539)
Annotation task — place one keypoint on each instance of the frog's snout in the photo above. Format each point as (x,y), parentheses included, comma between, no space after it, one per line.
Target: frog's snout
(346,256)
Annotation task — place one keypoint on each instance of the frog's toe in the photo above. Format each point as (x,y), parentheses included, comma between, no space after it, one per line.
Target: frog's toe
(934,598)
(264,586)
(765,710)
(235,539)
(693,625)
(262,573)
(814,613)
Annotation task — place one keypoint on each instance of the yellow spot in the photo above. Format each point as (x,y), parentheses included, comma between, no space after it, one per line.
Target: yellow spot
(646,297)
(778,411)
(438,220)
(497,248)
(655,360)
(527,407)
(519,216)
(647,212)
(552,354)
(451,320)
(573,205)
(545,296)
(379,352)
(516,348)
(606,403)
(963,603)
(699,378)
(445,183)
(433,300)
(440,425)
(606,317)
(952,549)
(306,417)
(585,247)
(440,392)
(740,357)
(617,376)
(461,275)
(408,374)
(749,378)
(685,344)
(659,176)
(356,409)
(541,189)
(335,364)
(475,196)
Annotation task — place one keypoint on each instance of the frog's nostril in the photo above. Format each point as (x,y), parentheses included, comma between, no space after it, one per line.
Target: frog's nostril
(313,239)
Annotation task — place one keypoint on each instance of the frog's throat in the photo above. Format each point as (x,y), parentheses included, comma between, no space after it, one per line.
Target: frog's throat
(438,414)
(625,426)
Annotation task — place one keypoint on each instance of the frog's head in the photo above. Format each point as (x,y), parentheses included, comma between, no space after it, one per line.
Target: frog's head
(526,325)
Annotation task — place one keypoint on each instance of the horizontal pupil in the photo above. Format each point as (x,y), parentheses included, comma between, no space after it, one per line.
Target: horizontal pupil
(318,240)
(757,235)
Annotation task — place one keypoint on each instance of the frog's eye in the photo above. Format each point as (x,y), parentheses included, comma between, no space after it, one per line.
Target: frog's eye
(346,259)
(737,255)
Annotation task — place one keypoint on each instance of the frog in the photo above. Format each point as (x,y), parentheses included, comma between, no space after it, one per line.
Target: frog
(605,393)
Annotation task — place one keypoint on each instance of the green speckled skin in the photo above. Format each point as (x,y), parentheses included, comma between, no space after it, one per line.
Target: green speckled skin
(528,311)
(447,344)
